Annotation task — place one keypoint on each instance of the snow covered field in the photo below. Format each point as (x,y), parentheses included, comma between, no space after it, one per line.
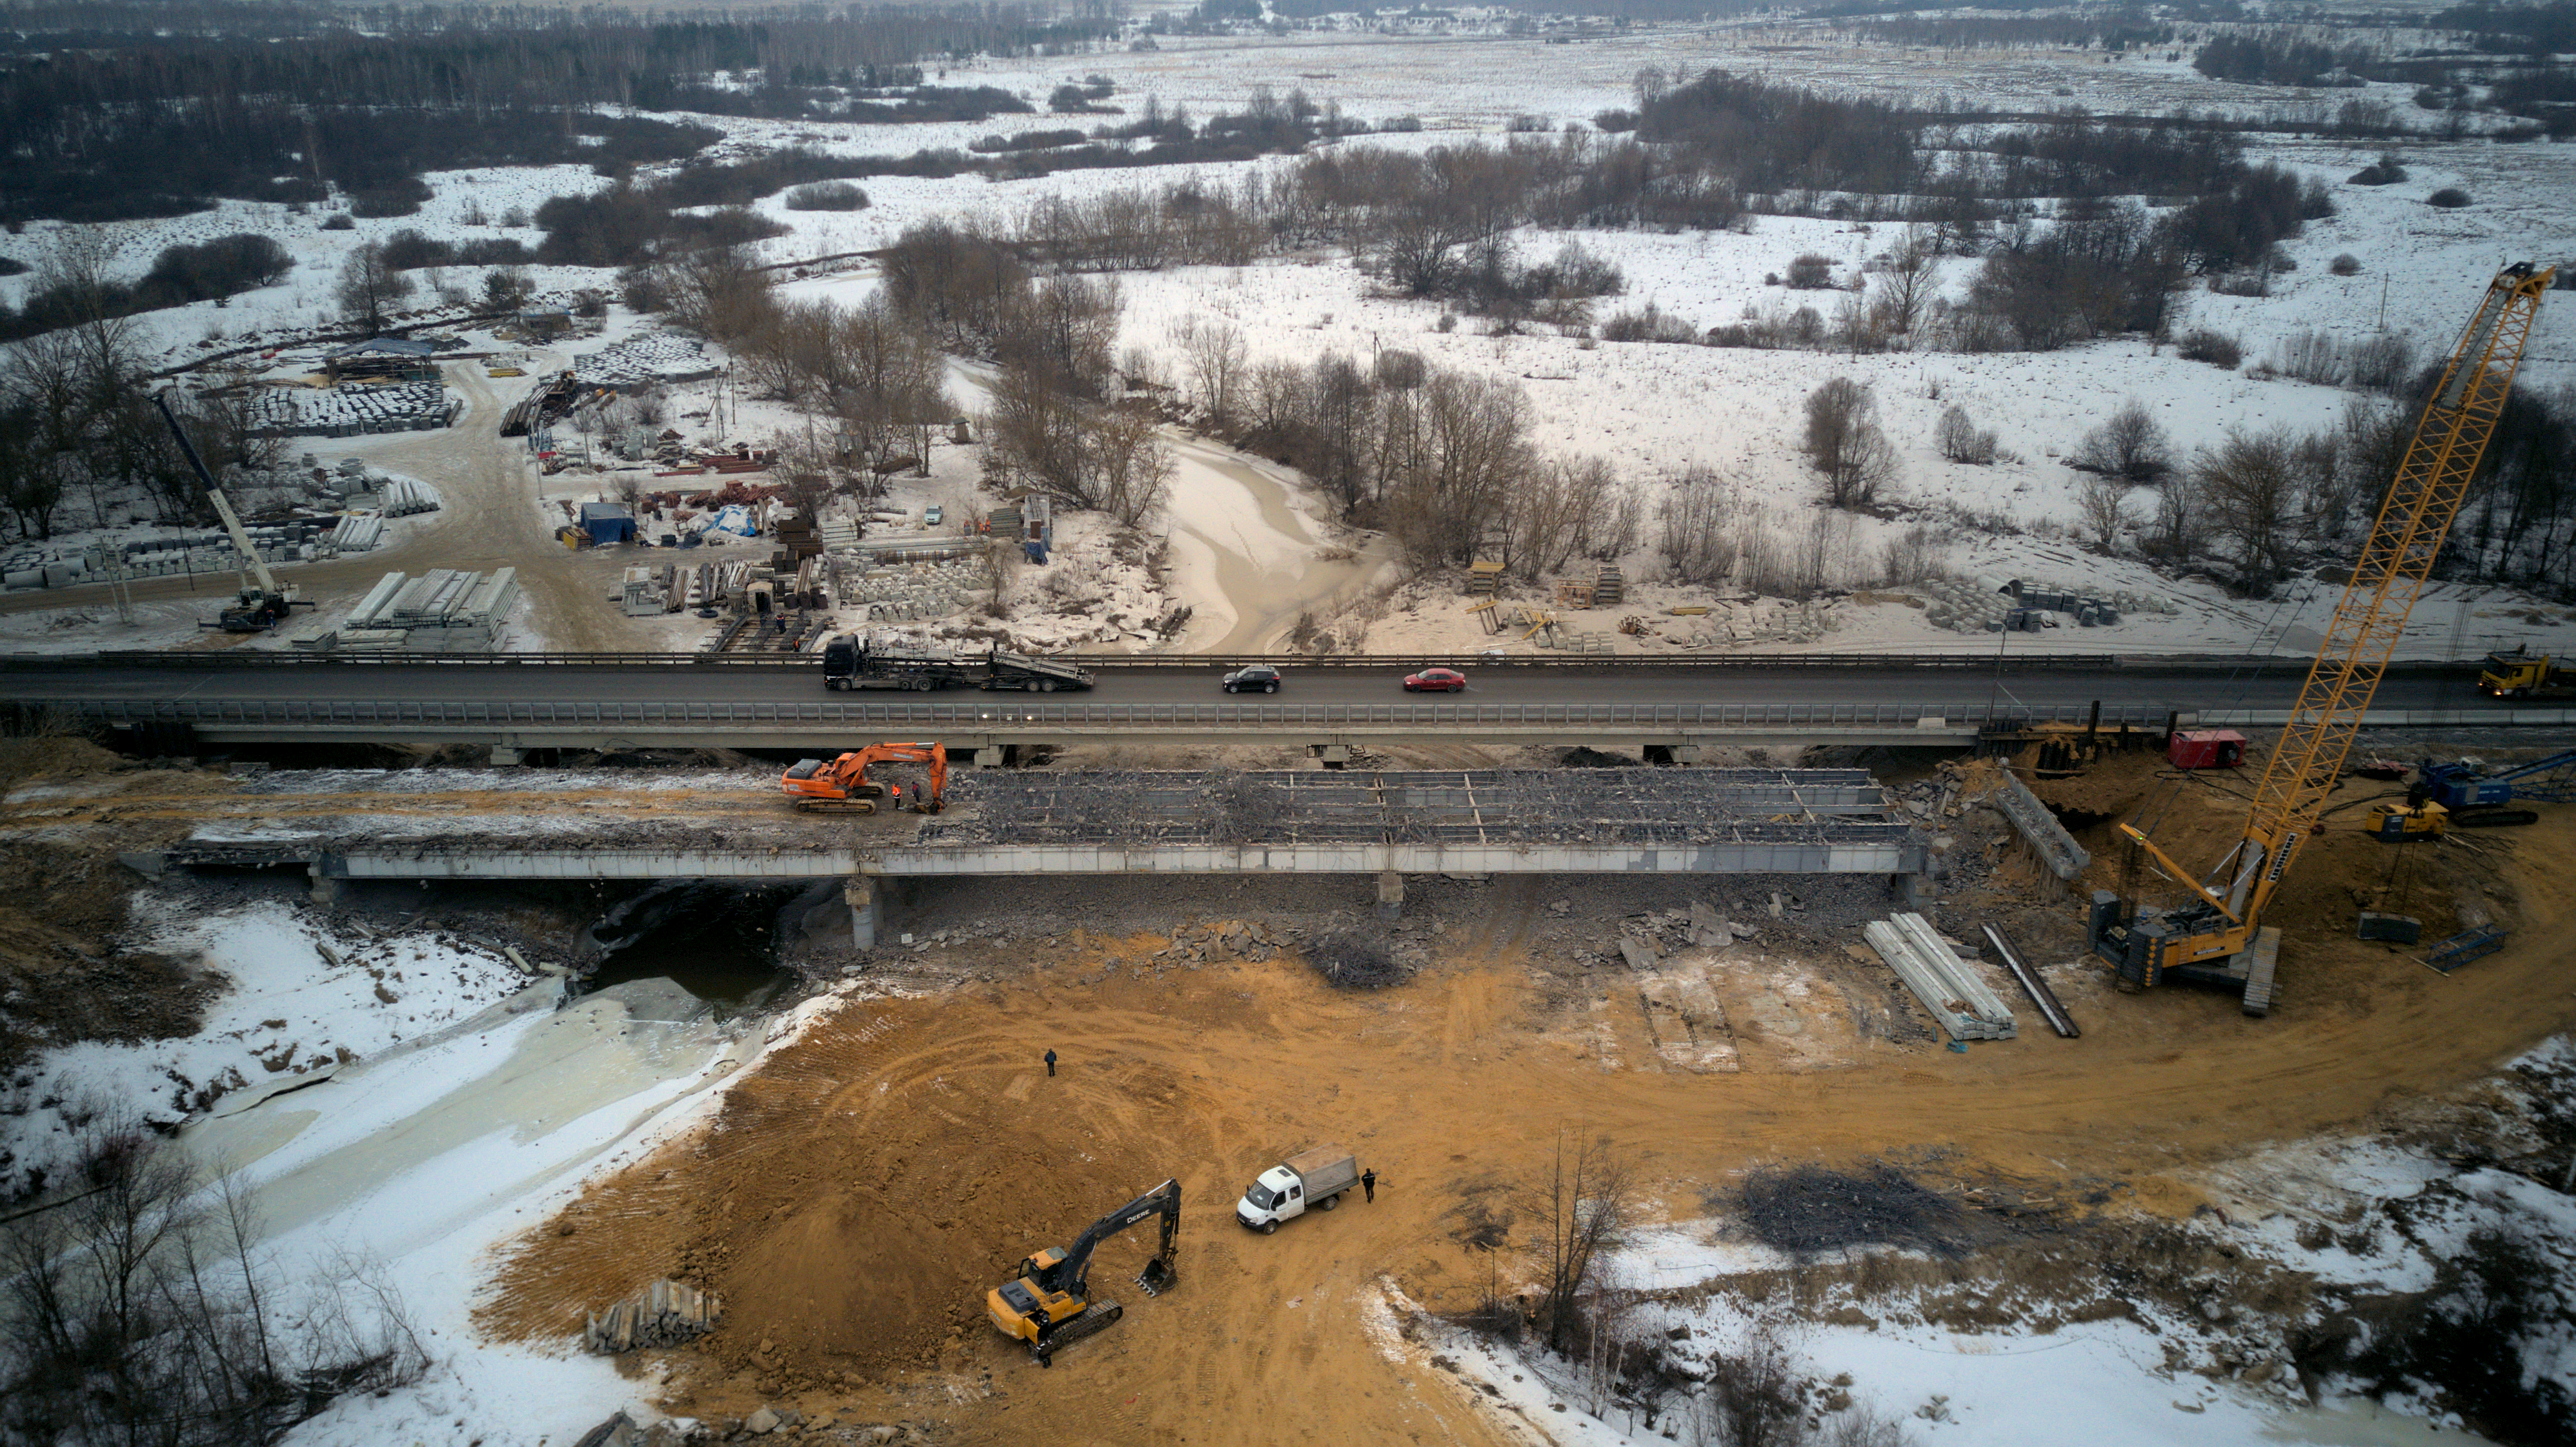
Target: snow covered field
(1650,410)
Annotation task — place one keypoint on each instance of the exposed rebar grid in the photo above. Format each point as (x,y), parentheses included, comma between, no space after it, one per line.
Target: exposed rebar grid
(1495,807)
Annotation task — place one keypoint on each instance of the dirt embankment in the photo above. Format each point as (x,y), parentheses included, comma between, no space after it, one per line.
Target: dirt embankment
(64,896)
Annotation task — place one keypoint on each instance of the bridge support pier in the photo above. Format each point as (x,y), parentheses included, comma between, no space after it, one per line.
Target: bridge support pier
(1334,756)
(859,892)
(323,889)
(503,755)
(1912,892)
(1390,895)
(991,756)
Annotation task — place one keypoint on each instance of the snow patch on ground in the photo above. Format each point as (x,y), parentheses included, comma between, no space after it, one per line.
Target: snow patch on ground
(286,1011)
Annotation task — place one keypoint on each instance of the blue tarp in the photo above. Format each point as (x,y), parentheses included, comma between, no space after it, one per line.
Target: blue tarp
(606,522)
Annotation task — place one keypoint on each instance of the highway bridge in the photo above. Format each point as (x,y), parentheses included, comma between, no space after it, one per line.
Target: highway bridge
(514,703)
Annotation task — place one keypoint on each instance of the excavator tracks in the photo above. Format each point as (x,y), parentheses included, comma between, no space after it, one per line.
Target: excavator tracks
(1098,1317)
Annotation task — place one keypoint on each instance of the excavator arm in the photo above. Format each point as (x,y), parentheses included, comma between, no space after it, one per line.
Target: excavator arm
(1072,1271)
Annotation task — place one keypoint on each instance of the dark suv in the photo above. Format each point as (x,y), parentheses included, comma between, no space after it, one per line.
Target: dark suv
(1259,678)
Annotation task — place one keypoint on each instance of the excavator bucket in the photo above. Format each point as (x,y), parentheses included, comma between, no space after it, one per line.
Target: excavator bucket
(1157,1277)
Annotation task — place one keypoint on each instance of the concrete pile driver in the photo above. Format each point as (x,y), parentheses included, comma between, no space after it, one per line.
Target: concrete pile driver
(1049,1305)
(842,785)
(2218,938)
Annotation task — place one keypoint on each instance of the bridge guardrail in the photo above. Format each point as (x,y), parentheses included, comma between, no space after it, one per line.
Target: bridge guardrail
(214,660)
(1263,717)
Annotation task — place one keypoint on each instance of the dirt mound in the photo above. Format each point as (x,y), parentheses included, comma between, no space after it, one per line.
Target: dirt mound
(62,757)
(855,1200)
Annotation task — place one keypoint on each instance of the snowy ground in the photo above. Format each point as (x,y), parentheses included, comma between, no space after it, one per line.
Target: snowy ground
(2357,1219)
(301,1000)
(410,1107)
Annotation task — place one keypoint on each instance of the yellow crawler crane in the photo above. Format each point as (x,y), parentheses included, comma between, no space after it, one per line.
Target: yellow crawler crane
(2219,938)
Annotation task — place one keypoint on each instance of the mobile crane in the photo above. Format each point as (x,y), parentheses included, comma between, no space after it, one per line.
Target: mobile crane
(2219,938)
(259,607)
(842,785)
(1048,1303)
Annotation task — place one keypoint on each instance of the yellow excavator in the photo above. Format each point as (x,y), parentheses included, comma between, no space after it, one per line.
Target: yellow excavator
(2218,938)
(1049,1304)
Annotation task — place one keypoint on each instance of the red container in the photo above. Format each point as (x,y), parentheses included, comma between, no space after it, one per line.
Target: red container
(2206,749)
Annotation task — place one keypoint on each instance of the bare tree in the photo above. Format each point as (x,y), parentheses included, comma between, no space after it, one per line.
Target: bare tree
(1908,282)
(2103,504)
(369,290)
(1454,496)
(1910,558)
(2251,485)
(1845,443)
(1216,358)
(2131,446)
(1752,1397)
(1961,441)
(1131,468)
(1553,511)
(2180,524)
(1583,1200)
(1697,527)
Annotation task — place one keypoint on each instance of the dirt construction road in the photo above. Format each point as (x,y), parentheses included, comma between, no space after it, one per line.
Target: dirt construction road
(867,1185)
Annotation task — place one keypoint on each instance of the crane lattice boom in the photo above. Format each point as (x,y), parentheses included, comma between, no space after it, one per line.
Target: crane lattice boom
(2431,485)
(2200,939)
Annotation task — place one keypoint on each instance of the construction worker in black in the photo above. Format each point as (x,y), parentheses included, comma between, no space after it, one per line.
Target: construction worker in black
(1368,1186)
(1050,1062)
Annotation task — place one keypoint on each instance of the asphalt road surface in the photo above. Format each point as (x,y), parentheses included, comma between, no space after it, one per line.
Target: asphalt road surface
(2173,688)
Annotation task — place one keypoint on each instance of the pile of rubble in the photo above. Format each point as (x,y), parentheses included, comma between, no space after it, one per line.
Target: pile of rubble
(664,1314)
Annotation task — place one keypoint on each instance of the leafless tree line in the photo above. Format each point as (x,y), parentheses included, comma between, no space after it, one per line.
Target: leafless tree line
(140,1309)
(77,418)
(864,368)
(1440,458)
(2261,498)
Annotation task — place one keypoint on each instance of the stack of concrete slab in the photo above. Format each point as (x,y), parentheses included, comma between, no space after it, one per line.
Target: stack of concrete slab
(352,411)
(1948,986)
(358,532)
(443,610)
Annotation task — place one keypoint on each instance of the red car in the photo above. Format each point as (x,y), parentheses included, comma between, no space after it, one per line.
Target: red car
(1436,680)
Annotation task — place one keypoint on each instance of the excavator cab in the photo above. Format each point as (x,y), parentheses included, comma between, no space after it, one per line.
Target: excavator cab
(2413,822)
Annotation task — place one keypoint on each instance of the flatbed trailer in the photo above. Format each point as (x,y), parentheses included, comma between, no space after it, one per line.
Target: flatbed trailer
(853,661)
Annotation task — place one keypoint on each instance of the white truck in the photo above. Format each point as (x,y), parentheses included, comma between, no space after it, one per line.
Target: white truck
(1310,1179)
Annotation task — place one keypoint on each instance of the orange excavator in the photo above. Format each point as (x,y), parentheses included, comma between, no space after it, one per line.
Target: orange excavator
(842,785)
